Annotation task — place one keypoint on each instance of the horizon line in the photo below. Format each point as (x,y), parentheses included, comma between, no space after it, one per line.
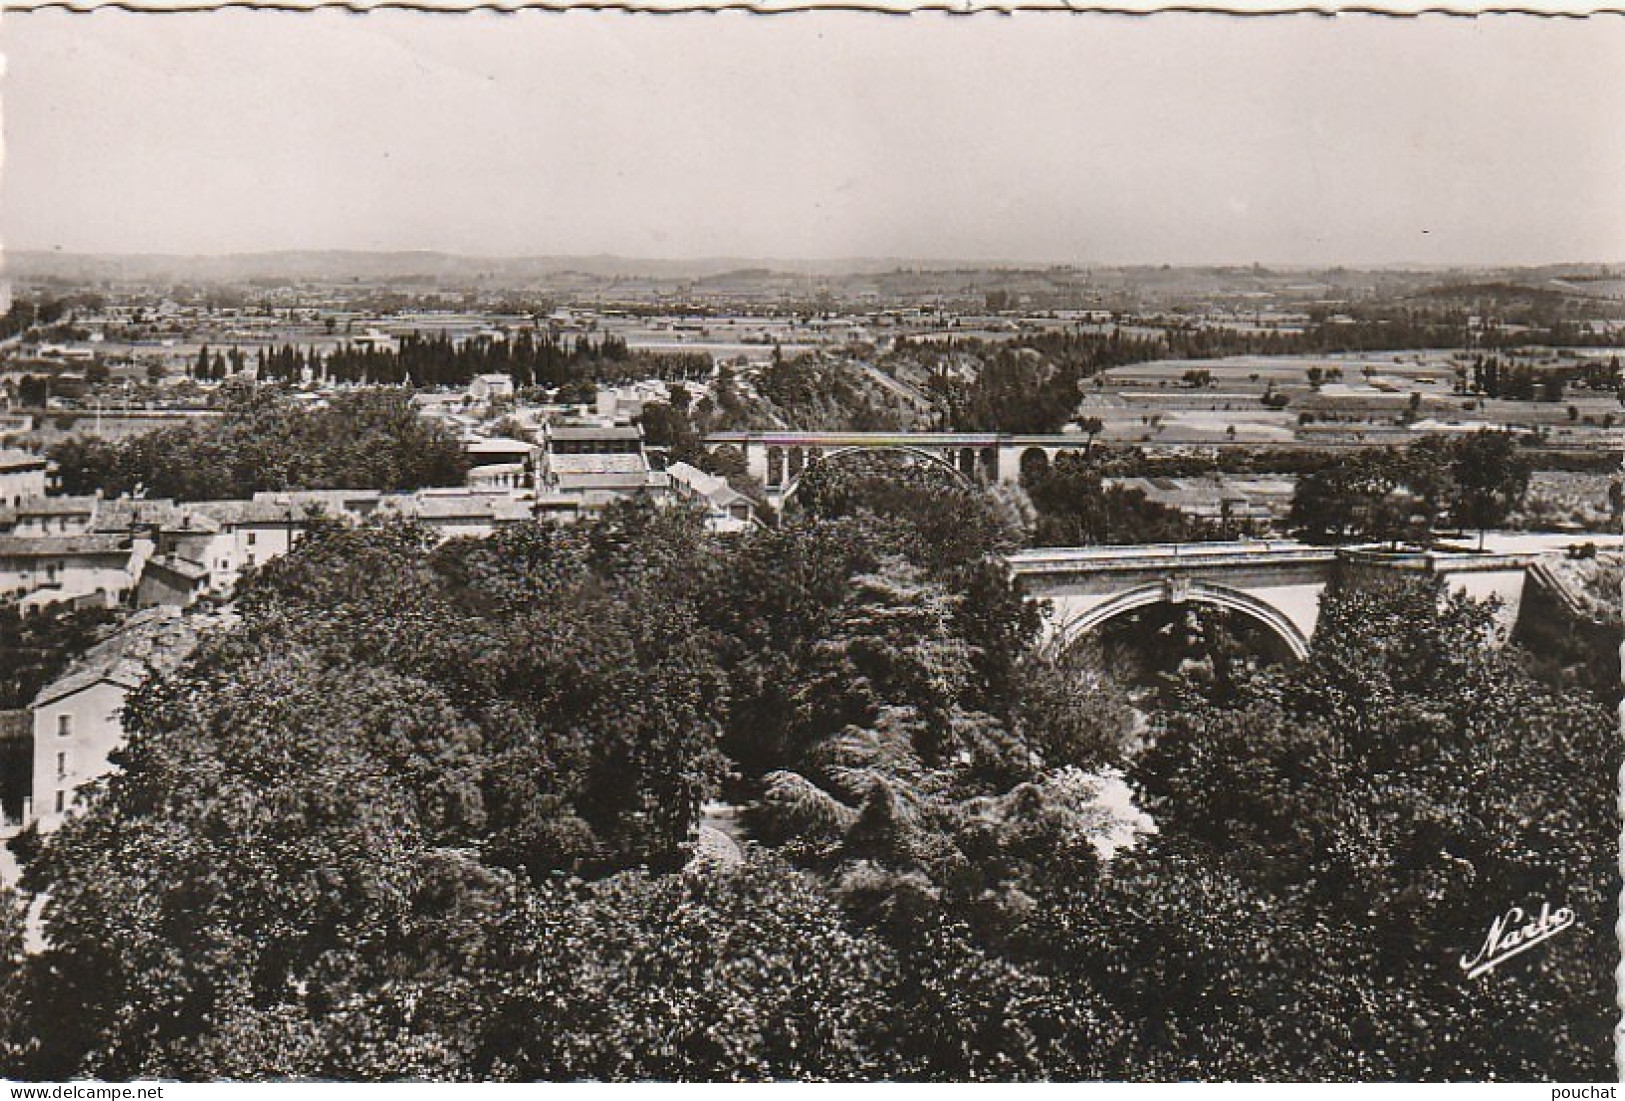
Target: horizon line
(765,261)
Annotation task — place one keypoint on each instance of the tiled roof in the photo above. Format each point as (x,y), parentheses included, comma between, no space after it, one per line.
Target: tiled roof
(587,432)
(152,641)
(184,567)
(53,546)
(462,505)
(604,480)
(13,459)
(127,515)
(442,508)
(56,506)
(251,512)
(497,445)
(337,498)
(714,489)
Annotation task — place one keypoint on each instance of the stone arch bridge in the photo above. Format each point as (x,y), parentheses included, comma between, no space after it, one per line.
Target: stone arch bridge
(1277,584)
(779,459)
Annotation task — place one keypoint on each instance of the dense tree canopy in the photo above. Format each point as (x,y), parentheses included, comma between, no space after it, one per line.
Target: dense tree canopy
(1471,481)
(1387,800)
(528,357)
(361,440)
(429,812)
(1077,508)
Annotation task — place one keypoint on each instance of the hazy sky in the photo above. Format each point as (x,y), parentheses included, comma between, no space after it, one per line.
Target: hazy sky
(1033,138)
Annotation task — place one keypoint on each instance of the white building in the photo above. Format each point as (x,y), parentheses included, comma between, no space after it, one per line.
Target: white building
(250,534)
(484,452)
(77,718)
(583,468)
(375,341)
(726,509)
(41,515)
(22,476)
(486,388)
(41,570)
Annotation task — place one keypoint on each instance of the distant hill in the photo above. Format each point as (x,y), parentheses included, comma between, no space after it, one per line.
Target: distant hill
(896,280)
(1552,294)
(343,266)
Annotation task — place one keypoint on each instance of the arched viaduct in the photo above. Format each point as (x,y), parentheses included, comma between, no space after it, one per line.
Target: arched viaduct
(779,459)
(1277,584)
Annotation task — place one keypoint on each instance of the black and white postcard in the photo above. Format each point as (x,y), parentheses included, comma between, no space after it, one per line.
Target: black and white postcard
(585,546)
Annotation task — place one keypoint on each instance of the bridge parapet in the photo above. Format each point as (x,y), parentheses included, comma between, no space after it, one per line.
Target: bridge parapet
(1174,556)
(1434,561)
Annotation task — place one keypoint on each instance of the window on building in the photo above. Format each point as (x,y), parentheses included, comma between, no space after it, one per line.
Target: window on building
(61,765)
(64,725)
(61,800)
(251,539)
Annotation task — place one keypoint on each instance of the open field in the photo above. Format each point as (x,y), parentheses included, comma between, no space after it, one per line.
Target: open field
(1371,399)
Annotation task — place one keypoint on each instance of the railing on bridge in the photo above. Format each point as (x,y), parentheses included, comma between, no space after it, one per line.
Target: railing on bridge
(1139,555)
(1275,550)
(789,437)
(1129,550)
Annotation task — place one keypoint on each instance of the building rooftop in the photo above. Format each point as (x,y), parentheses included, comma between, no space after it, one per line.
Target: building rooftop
(490,507)
(153,641)
(621,481)
(11,459)
(127,515)
(349,500)
(62,546)
(228,513)
(55,506)
(713,488)
(183,567)
(497,445)
(588,432)
(442,508)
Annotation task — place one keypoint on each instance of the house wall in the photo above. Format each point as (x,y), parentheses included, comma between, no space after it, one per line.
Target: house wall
(238,546)
(214,551)
(72,573)
(65,762)
(60,523)
(162,586)
(19,484)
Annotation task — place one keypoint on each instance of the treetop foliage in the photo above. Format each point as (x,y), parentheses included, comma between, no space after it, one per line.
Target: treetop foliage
(1471,481)
(428,812)
(265,441)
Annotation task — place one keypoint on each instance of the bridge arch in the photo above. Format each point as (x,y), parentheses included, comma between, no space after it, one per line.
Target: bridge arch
(1034,464)
(1177,590)
(943,462)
